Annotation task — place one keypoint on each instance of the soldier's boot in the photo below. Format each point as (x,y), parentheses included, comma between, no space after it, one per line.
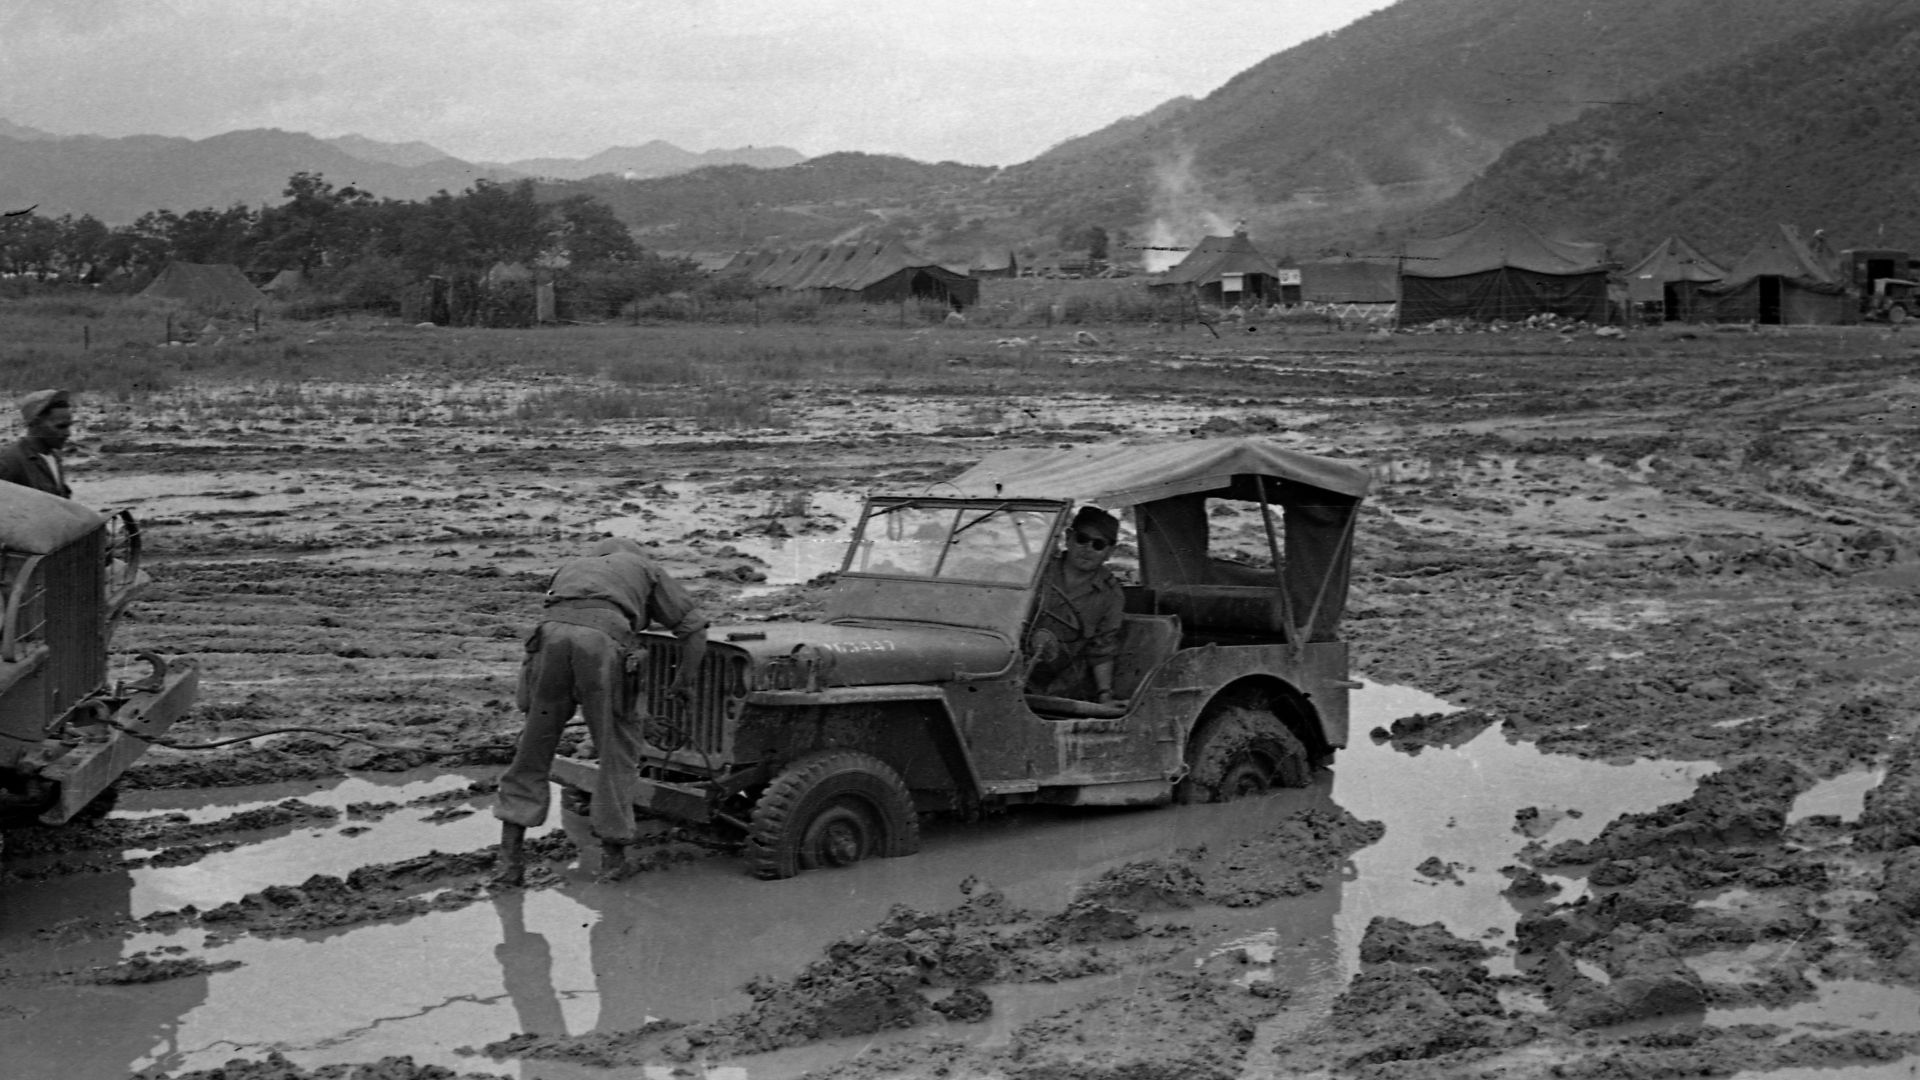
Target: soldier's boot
(614,865)
(512,867)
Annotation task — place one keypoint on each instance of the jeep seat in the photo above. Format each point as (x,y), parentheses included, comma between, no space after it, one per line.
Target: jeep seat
(1146,641)
(1245,608)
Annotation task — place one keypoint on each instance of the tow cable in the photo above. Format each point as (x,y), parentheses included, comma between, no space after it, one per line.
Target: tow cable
(172,744)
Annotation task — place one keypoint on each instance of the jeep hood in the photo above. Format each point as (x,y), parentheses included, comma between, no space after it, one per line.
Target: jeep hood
(848,655)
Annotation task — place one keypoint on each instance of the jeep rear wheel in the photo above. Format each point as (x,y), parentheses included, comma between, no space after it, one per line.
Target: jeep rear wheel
(831,808)
(1241,751)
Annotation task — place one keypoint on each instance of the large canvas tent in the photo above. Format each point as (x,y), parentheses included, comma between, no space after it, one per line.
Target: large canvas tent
(878,271)
(1671,276)
(1347,280)
(206,287)
(1501,268)
(1782,280)
(1225,269)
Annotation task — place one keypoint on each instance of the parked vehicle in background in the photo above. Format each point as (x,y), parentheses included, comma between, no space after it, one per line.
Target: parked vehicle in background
(819,744)
(1885,280)
(68,729)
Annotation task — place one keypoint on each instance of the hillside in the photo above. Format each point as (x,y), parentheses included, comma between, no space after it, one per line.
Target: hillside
(1399,110)
(731,207)
(1822,131)
(656,158)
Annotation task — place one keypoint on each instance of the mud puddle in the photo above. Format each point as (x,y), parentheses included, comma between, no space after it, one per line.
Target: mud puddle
(680,943)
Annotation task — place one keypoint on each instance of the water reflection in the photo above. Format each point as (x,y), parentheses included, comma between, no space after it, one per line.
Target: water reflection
(681,942)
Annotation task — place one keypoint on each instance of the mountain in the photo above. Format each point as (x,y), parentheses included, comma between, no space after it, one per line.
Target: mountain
(408,153)
(117,180)
(1819,131)
(1388,115)
(10,130)
(656,158)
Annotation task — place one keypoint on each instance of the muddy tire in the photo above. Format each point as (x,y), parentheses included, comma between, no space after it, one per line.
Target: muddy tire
(1241,751)
(831,808)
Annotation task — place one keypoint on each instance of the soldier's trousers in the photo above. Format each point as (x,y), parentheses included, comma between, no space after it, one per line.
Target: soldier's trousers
(574,667)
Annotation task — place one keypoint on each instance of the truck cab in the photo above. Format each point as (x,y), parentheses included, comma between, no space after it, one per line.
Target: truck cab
(820,743)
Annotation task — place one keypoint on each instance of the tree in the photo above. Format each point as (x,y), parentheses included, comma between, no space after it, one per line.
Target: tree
(589,233)
(504,223)
(314,223)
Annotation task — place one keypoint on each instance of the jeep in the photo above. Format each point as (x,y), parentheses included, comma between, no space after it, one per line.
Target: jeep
(818,744)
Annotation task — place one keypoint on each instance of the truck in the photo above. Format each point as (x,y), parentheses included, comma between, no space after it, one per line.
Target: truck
(816,744)
(68,727)
(1884,280)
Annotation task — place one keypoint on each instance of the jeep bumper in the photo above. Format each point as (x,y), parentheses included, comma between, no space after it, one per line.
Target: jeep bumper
(682,802)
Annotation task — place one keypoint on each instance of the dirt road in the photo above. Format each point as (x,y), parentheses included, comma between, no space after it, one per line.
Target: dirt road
(1637,618)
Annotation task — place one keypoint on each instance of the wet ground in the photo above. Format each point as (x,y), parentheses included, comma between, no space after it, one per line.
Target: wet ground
(1631,790)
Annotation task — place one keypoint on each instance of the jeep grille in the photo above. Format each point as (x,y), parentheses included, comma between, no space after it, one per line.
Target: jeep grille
(718,697)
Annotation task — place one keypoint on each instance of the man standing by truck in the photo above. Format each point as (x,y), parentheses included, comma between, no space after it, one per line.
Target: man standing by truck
(583,654)
(34,460)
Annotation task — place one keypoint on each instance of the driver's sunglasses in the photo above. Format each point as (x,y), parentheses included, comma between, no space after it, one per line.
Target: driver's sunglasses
(1097,543)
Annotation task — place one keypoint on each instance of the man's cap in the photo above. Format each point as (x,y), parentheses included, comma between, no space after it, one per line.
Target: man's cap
(1097,522)
(38,403)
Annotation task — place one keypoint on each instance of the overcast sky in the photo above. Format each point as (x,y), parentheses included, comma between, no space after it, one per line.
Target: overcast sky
(989,82)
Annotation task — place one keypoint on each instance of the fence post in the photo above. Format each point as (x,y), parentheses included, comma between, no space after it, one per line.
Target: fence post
(86,337)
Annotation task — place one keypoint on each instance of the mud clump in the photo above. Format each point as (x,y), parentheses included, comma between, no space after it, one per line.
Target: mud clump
(142,969)
(967,1005)
(1421,993)
(276,1067)
(1410,734)
(1174,1026)
(1746,803)
(1646,977)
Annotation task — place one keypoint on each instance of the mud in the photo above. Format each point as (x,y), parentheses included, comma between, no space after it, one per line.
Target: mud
(1658,817)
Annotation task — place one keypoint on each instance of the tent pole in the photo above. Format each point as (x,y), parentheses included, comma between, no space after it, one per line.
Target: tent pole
(1279,576)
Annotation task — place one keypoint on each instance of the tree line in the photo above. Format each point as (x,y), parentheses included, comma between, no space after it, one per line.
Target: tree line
(357,250)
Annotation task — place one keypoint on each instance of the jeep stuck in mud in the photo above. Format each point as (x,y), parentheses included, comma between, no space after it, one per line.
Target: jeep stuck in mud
(68,730)
(819,743)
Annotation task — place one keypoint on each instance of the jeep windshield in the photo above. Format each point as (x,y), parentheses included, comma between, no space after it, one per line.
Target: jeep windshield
(934,539)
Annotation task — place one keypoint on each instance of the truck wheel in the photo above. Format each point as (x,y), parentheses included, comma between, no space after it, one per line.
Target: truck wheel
(1897,313)
(831,808)
(1242,750)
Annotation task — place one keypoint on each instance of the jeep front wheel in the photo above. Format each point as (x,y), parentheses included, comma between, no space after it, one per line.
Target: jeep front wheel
(1240,751)
(831,808)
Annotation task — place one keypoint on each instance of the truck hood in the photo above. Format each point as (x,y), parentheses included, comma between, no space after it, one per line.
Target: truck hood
(868,655)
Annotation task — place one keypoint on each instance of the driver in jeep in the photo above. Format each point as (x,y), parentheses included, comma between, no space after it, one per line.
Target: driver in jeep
(1076,632)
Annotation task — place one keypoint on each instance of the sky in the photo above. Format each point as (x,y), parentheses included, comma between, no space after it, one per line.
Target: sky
(986,82)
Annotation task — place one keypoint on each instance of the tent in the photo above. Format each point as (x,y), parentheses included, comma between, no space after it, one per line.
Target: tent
(284,282)
(206,287)
(1671,275)
(1501,269)
(995,264)
(877,271)
(1348,280)
(1225,270)
(1783,280)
